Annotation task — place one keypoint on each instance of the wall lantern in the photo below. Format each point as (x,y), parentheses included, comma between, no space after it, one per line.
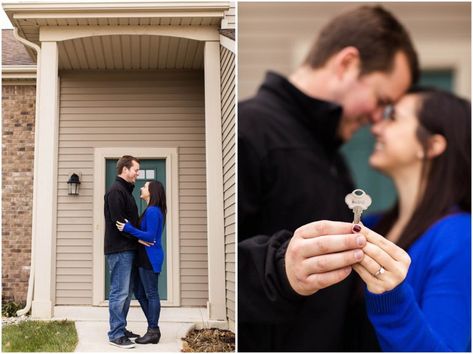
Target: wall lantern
(73,184)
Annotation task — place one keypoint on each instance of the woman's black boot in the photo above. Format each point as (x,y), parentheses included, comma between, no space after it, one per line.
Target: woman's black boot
(152,335)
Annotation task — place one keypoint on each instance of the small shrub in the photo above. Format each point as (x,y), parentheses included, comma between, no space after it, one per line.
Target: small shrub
(10,308)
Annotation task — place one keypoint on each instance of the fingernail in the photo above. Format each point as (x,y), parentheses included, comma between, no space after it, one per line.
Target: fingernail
(356,228)
(358,255)
(360,241)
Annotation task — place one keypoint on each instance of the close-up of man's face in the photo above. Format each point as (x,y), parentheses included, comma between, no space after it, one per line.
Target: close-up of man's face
(366,96)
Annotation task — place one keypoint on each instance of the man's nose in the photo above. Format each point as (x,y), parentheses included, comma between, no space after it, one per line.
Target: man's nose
(377,115)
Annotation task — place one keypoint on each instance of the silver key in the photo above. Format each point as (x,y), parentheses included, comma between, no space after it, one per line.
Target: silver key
(358,201)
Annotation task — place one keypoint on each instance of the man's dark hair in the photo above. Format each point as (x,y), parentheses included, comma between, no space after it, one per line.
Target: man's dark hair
(448,176)
(375,32)
(125,161)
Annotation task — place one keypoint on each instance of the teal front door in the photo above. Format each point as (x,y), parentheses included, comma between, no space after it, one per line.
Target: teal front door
(149,169)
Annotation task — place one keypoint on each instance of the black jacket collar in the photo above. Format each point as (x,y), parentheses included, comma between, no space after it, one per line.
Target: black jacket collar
(128,186)
(321,117)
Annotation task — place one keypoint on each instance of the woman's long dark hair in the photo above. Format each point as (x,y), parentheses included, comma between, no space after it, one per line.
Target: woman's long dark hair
(157,197)
(448,176)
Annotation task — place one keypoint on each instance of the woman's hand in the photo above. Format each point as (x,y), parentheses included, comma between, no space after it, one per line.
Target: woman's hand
(147,244)
(384,265)
(121,225)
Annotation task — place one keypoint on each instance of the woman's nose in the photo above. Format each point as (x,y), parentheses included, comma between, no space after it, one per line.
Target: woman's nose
(377,128)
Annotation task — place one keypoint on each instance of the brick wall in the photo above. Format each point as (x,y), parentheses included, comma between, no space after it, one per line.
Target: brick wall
(18,109)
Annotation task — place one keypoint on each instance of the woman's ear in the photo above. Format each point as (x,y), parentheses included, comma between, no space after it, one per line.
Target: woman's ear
(437,145)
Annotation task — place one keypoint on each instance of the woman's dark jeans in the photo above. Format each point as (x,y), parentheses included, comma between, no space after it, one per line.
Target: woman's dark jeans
(146,292)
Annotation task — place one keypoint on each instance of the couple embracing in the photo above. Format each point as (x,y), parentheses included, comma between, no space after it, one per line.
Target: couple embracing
(134,252)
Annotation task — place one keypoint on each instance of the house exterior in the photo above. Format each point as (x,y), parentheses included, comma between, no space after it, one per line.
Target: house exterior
(87,82)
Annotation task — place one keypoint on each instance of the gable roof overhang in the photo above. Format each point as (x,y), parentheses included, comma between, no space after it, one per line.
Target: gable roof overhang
(121,35)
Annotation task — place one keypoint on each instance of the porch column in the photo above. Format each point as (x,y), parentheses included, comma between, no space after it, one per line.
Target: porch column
(214,169)
(45,180)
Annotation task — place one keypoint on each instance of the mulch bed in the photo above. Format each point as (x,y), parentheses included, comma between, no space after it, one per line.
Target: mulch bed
(209,340)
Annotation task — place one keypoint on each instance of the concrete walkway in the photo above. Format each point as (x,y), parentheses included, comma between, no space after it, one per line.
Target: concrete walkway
(92,327)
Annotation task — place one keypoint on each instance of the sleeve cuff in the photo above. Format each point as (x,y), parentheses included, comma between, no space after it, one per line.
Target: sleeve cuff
(289,292)
(389,301)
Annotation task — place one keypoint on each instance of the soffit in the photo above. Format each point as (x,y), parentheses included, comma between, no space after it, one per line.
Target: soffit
(120,52)
(124,52)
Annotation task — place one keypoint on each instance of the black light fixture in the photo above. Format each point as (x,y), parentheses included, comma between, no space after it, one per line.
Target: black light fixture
(74,184)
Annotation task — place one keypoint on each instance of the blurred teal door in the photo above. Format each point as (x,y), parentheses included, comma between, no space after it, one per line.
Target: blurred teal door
(149,169)
(358,151)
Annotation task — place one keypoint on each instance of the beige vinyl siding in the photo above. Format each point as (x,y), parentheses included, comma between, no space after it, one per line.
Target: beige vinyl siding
(278,37)
(227,62)
(147,109)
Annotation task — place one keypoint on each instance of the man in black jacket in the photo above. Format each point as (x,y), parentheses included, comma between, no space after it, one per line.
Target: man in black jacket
(120,248)
(293,275)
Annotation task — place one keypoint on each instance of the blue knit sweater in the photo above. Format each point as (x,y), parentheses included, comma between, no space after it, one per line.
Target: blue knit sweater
(431,310)
(151,229)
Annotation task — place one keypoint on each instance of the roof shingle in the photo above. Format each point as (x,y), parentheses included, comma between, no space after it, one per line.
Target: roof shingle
(14,52)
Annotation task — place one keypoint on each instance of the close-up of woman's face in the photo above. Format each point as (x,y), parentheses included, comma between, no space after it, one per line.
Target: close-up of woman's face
(144,191)
(397,146)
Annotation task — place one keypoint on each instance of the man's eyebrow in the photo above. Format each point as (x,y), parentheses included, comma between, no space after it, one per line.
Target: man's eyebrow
(384,101)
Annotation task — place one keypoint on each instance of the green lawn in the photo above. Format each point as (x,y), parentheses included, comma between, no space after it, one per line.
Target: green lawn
(39,336)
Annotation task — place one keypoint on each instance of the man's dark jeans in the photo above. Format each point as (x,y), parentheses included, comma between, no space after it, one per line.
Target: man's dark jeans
(120,266)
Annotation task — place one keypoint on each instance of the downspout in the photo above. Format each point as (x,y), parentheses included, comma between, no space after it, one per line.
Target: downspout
(29,296)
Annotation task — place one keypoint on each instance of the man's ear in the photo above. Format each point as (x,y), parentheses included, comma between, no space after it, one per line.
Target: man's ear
(437,145)
(345,60)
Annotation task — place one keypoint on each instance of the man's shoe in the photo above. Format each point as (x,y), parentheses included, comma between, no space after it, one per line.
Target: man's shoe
(122,342)
(153,335)
(130,334)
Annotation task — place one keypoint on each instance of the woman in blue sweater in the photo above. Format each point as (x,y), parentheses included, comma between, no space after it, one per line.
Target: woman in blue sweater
(150,256)
(422,301)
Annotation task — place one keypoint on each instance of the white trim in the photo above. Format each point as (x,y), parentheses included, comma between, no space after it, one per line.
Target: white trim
(214,171)
(63,33)
(13,72)
(45,199)
(227,43)
(117,5)
(172,224)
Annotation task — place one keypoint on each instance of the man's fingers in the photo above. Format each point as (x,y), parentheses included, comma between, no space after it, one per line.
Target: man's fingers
(331,244)
(324,227)
(324,280)
(330,262)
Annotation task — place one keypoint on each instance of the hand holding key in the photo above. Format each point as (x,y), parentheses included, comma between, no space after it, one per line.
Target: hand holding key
(321,254)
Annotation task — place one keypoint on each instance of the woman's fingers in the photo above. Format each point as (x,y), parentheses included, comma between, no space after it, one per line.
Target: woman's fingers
(377,254)
(373,284)
(370,264)
(389,247)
